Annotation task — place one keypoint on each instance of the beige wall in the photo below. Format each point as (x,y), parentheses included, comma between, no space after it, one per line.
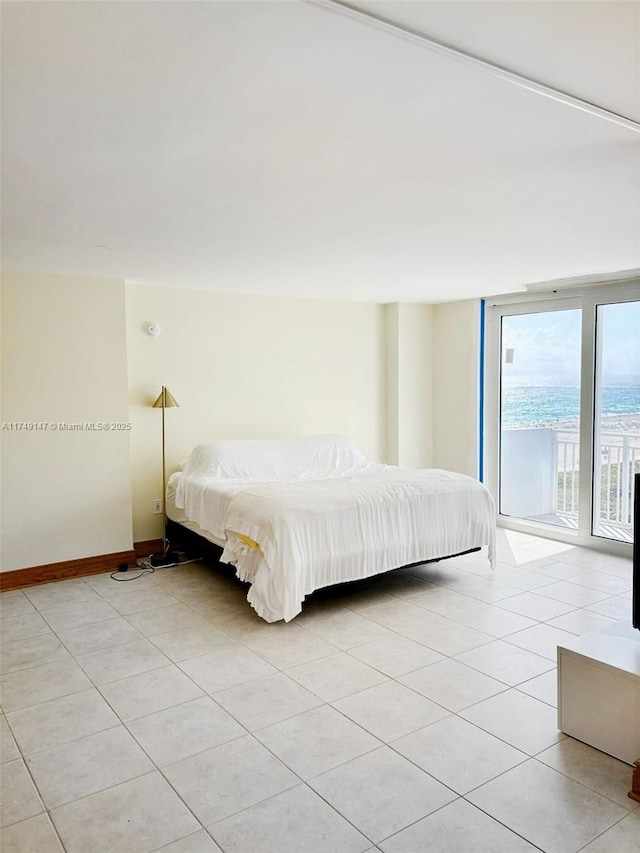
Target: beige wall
(247,367)
(65,494)
(455,386)
(408,380)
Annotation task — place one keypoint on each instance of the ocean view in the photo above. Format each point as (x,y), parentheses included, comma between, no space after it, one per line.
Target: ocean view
(534,405)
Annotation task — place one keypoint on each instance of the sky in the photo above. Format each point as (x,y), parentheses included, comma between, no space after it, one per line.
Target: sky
(547,345)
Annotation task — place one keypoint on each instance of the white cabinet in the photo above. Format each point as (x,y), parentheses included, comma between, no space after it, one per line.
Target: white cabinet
(599,690)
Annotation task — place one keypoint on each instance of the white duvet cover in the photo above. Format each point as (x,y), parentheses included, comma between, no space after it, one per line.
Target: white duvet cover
(313,533)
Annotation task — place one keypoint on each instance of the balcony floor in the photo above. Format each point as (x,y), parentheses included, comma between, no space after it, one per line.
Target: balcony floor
(608,530)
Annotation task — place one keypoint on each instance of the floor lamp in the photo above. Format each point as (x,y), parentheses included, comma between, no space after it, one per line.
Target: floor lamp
(168,557)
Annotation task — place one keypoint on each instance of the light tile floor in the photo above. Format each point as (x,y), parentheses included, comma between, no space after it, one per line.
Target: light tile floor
(412,712)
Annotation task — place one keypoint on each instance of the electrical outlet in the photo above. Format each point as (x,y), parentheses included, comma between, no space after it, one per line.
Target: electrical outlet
(157,506)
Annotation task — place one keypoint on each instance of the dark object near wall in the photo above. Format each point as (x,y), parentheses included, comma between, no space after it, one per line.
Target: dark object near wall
(636,553)
(193,544)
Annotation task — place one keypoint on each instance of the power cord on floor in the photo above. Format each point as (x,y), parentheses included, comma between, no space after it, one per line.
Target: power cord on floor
(124,569)
(144,567)
(145,563)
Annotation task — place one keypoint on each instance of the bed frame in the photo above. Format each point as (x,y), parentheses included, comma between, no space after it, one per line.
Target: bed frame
(197,546)
(192,543)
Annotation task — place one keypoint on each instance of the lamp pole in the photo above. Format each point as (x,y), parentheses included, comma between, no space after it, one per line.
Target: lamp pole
(168,557)
(165,541)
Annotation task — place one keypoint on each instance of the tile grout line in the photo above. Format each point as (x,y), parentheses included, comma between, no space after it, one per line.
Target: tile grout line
(46,810)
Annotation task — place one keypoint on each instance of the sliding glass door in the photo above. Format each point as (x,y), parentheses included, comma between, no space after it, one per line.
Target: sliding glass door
(540,416)
(562,414)
(617,419)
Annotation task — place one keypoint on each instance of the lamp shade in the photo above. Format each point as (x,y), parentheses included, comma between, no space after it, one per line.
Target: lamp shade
(166,400)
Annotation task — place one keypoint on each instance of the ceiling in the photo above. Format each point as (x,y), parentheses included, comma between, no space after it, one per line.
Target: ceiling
(289,148)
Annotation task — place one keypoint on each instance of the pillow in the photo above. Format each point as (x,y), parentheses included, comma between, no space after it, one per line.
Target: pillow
(311,457)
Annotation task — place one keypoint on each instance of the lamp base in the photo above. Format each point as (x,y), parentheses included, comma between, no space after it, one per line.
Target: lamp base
(171,558)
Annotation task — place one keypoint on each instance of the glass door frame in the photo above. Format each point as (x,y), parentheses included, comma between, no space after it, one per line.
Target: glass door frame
(586,299)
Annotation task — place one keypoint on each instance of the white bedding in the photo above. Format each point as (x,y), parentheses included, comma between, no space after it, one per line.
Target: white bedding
(320,530)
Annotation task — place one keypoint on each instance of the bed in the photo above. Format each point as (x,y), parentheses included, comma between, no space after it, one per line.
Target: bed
(296,515)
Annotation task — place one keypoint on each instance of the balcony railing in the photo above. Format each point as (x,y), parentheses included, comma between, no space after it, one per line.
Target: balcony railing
(619,457)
